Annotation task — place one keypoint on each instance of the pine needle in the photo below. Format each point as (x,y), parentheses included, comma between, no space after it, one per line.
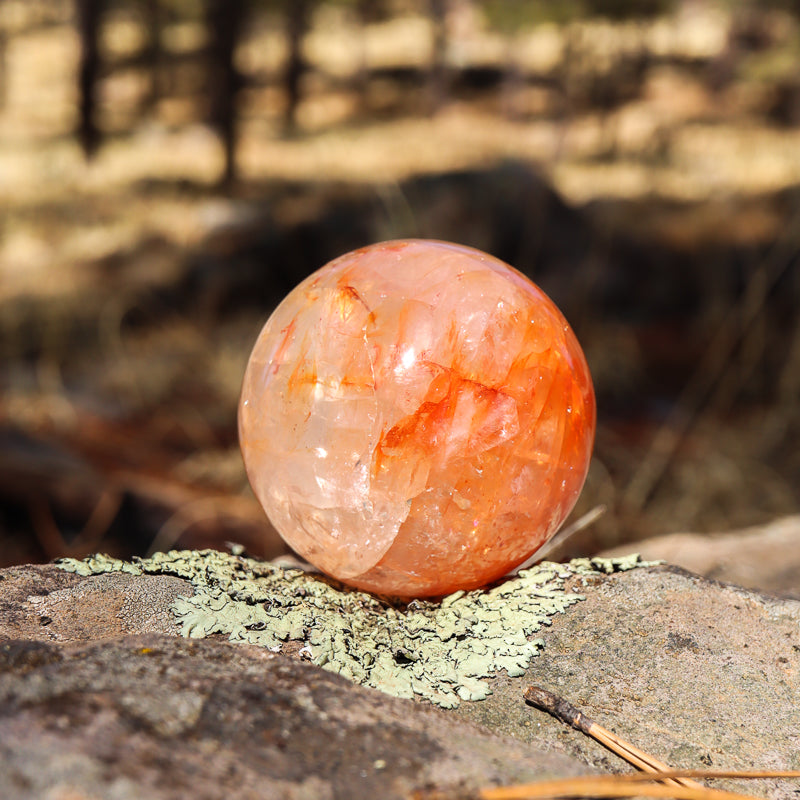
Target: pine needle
(608,786)
(658,779)
(570,715)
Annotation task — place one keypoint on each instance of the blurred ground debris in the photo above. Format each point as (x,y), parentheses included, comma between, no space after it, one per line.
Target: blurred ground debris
(640,161)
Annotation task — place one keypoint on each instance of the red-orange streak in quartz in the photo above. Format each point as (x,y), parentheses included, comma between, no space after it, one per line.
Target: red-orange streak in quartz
(304,375)
(428,426)
(384,247)
(350,293)
(288,333)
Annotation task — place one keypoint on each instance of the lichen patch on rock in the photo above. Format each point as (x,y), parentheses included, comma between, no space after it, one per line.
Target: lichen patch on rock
(442,650)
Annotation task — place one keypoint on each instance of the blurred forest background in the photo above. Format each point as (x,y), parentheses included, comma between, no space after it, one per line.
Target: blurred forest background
(169,169)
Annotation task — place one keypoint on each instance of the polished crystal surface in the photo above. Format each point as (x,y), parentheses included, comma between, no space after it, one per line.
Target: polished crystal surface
(416,417)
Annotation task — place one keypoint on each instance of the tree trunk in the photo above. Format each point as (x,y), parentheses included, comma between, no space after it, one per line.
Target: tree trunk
(439,73)
(299,13)
(88,22)
(224,18)
(154,54)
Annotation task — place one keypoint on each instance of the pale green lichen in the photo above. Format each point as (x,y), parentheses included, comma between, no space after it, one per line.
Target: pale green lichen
(442,650)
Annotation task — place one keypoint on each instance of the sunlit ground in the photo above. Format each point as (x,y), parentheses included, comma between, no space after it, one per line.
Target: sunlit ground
(678,141)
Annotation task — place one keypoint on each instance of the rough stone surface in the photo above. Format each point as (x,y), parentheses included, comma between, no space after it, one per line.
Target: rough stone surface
(44,603)
(164,717)
(765,557)
(696,672)
(699,674)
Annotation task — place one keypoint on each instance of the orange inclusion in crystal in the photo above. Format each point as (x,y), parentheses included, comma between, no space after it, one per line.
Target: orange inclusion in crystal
(417,417)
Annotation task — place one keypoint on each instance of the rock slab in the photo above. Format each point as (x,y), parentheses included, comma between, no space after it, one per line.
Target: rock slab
(163,717)
(764,557)
(99,697)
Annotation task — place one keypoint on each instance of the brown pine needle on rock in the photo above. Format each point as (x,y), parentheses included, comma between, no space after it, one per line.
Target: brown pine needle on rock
(608,786)
(634,785)
(659,780)
(563,711)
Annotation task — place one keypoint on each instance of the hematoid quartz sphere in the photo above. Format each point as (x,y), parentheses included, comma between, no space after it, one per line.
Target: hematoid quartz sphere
(417,417)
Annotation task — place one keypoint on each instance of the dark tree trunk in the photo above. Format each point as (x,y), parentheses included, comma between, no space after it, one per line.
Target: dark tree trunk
(88,22)
(3,74)
(225,18)
(439,74)
(298,16)
(153,55)
(364,12)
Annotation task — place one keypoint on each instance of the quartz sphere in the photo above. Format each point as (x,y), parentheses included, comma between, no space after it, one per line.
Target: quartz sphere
(417,417)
